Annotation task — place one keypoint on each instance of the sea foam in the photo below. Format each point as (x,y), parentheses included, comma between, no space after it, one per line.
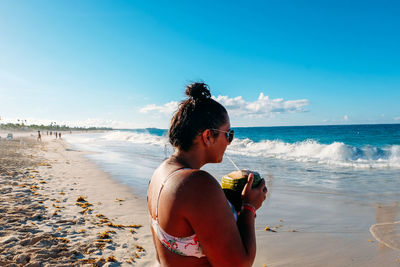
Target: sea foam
(136,137)
(336,153)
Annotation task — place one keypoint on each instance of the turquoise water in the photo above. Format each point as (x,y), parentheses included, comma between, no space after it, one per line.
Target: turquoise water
(353,135)
(360,146)
(378,135)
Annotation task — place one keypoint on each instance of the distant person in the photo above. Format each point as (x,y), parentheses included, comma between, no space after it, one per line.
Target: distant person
(51,132)
(56,135)
(39,137)
(47,133)
(59,135)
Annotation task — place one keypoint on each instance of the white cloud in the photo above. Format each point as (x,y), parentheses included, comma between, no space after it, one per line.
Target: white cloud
(237,106)
(397,118)
(167,108)
(346,118)
(262,107)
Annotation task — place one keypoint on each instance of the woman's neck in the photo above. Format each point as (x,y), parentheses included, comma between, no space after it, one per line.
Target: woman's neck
(189,159)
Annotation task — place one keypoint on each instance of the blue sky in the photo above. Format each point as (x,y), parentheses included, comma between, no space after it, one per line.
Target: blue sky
(125,64)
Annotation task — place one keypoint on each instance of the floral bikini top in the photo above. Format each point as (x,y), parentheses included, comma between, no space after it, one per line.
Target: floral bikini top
(184,246)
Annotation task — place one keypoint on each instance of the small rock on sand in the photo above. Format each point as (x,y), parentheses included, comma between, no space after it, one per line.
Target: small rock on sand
(22,259)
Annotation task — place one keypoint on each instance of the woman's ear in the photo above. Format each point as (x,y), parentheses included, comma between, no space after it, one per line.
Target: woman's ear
(206,137)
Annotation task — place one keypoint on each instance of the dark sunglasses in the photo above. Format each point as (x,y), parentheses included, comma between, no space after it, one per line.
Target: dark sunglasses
(229,134)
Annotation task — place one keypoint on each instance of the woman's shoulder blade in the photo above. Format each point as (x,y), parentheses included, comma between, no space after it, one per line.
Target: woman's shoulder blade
(200,179)
(200,187)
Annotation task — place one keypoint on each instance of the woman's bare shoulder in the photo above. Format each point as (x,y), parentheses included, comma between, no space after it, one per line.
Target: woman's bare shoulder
(199,186)
(188,185)
(199,180)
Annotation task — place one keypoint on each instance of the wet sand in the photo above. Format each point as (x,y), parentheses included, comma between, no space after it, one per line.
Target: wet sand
(318,229)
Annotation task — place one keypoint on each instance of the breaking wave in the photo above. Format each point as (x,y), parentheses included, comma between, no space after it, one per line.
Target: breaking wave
(336,153)
(136,137)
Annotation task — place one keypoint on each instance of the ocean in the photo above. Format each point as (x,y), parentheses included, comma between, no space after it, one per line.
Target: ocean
(353,159)
(336,175)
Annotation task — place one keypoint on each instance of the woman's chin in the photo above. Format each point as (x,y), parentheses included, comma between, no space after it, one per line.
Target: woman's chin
(215,161)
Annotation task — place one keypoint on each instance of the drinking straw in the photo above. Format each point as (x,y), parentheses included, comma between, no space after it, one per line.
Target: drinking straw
(237,168)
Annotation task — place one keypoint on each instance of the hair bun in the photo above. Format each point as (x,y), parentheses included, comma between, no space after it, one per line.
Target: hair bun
(198,91)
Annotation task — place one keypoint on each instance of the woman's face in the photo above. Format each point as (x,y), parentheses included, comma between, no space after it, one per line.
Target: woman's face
(221,142)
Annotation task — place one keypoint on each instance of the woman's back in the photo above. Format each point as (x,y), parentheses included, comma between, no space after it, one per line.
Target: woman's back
(169,198)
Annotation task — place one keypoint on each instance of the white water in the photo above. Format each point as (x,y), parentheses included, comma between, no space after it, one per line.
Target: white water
(337,153)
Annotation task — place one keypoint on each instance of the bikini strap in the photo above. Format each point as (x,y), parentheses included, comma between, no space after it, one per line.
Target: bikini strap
(163,184)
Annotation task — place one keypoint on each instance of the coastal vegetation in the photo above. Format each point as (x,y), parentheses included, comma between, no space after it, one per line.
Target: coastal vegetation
(21,126)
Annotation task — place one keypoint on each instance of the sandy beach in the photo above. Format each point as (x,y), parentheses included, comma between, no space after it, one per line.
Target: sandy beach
(59,209)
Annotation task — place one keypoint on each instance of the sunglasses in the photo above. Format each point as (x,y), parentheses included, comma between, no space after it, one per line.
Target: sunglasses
(229,134)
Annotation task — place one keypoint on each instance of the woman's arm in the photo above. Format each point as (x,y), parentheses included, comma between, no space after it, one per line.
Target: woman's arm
(224,242)
(245,223)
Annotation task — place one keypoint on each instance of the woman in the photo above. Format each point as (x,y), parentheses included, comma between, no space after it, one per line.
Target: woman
(193,224)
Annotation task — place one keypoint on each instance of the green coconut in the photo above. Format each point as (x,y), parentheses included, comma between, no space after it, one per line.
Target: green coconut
(233,184)
(236,180)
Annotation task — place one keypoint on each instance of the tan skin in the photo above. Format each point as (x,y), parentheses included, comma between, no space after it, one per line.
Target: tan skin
(192,201)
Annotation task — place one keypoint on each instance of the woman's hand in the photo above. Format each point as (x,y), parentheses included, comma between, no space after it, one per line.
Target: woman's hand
(254,196)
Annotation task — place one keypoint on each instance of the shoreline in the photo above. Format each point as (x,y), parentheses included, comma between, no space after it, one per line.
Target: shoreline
(62,209)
